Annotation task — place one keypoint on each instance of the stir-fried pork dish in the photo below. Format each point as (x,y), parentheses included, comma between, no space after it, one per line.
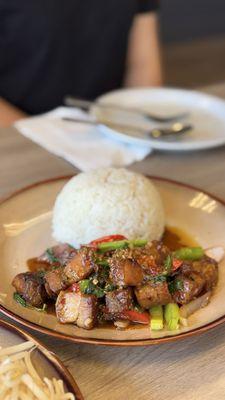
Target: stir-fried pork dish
(113,279)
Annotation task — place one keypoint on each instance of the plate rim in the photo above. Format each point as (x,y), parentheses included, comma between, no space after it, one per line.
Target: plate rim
(161,146)
(107,342)
(51,357)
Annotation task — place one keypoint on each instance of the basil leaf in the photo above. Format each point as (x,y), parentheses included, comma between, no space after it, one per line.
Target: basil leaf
(41,274)
(175,285)
(159,278)
(84,286)
(19,299)
(88,287)
(109,287)
(51,256)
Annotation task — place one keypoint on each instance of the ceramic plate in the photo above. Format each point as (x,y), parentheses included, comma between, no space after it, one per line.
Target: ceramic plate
(206,114)
(46,363)
(25,232)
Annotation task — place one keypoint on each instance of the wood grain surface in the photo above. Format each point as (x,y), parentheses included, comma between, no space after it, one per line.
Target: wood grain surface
(192,369)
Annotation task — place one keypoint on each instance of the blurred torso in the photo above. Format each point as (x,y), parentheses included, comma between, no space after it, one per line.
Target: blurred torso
(49,48)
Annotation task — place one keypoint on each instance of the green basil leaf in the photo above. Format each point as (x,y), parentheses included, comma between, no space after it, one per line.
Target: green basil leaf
(19,299)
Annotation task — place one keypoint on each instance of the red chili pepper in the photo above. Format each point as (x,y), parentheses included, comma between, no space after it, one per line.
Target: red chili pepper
(110,238)
(176,264)
(74,288)
(135,316)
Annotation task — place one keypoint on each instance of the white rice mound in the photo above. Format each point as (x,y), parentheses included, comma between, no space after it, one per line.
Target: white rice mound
(106,202)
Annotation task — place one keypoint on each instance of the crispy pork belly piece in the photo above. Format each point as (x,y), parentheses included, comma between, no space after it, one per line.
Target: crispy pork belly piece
(153,294)
(151,257)
(75,307)
(55,281)
(207,268)
(118,301)
(191,286)
(59,254)
(81,265)
(125,271)
(30,286)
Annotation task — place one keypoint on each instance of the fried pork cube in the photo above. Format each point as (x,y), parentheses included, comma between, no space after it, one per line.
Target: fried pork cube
(80,266)
(55,281)
(125,271)
(191,286)
(153,294)
(207,268)
(75,307)
(152,257)
(59,254)
(118,301)
(30,286)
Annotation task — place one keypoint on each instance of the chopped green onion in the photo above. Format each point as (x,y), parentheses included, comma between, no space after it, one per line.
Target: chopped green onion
(121,244)
(189,253)
(172,316)
(156,323)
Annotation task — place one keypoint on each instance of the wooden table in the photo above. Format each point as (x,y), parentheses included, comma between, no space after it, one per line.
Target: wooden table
(192,369)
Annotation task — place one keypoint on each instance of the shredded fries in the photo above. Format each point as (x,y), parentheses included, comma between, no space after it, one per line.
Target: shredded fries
(19,379)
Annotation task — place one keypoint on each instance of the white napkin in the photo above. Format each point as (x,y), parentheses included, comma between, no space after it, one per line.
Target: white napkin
(82,145)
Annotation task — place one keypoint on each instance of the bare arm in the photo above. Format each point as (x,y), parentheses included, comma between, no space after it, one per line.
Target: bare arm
(143,56)
(9,113)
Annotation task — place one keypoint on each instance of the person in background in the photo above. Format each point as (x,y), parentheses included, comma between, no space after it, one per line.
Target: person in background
(51,48)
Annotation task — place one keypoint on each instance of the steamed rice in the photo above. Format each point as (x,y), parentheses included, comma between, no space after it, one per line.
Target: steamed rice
(107,201)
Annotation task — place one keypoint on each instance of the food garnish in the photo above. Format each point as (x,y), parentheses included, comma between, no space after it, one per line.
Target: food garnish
(172,316)
(19,299)
(189,253)
(120,244)
(105,239)
(156,313)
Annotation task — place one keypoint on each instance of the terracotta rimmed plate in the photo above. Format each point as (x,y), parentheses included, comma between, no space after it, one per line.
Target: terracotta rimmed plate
(46,362)
(25,232)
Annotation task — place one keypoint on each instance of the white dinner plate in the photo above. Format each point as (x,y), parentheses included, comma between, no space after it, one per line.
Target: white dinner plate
(206,114)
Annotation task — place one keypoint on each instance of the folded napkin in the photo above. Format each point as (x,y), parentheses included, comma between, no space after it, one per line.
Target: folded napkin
(82,145)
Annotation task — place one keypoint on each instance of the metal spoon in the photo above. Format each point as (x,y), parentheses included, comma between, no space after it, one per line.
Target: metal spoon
(174,130)
(86,105)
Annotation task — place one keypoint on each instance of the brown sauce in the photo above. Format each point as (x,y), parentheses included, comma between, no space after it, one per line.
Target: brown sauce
(175,238)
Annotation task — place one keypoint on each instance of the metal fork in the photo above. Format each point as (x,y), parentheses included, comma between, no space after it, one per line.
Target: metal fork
(156,133)
(86,105)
